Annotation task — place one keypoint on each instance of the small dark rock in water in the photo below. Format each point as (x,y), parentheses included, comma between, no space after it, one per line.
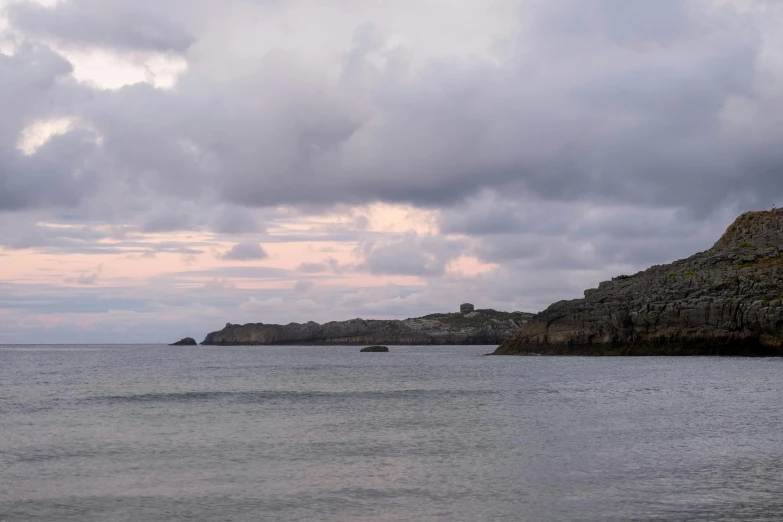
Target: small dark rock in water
(375,349)
(187,341)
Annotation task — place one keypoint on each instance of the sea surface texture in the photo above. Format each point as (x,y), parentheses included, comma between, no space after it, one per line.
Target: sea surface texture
(142,433)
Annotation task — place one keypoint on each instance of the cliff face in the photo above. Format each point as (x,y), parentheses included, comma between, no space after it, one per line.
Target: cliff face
(478,327)
(725,301)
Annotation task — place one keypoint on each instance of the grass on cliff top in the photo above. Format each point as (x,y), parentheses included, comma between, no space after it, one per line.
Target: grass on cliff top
(746,223)
(479,318)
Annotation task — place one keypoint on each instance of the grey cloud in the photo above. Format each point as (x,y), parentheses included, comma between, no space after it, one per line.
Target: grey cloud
(241,272)
(303,286)
(27,236)
(90,279)
(101,23)
(168,247)
(245,252)
(547,235)
(35,85)
(87,279)
(459,128)
(361,222)
(162,311)
(329,264)
(619,22)
(45,299)
(166,222)
(219,284)
(491,214)
(312,268)
(410,255)
(86,239)
(637,110)
(237,221)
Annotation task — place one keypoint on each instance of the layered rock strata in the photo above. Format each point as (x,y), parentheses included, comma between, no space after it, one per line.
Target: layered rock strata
(725,301)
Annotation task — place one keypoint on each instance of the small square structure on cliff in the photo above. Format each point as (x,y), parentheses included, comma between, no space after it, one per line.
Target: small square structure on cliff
(466,308)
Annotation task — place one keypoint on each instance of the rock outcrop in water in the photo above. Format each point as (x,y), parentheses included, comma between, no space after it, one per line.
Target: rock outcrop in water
(477,327)
(375,349)
(187,341)
(725,301)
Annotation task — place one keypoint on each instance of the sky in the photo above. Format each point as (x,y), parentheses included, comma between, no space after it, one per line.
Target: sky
(168,166)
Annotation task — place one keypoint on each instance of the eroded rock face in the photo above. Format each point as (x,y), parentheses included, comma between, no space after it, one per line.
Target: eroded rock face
(725,301)
(479,327)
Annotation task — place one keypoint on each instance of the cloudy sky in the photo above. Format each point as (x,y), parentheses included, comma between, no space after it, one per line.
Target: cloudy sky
(167,166)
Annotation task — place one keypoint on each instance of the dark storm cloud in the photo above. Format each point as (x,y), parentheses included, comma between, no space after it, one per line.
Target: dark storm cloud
(102,23)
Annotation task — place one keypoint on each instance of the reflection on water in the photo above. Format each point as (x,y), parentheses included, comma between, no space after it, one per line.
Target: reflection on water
(139,433)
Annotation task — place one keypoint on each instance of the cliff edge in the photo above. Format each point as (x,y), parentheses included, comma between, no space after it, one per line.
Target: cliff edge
(725,301)
(470,327)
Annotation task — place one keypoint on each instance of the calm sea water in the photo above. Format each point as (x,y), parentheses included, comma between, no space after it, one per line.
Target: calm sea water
(141,433)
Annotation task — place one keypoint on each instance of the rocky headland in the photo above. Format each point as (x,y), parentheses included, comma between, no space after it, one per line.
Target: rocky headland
(187,341)
(466,327)
(725,301)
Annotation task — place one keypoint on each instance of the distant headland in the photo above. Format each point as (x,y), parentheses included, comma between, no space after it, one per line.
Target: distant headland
(468,326)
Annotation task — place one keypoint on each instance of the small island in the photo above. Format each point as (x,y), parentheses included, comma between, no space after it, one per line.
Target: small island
(187,341)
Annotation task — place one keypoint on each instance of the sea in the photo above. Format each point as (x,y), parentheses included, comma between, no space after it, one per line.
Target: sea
(146,433)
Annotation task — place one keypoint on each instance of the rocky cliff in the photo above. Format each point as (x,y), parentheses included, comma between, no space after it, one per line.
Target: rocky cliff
(725,301)
(476,327)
